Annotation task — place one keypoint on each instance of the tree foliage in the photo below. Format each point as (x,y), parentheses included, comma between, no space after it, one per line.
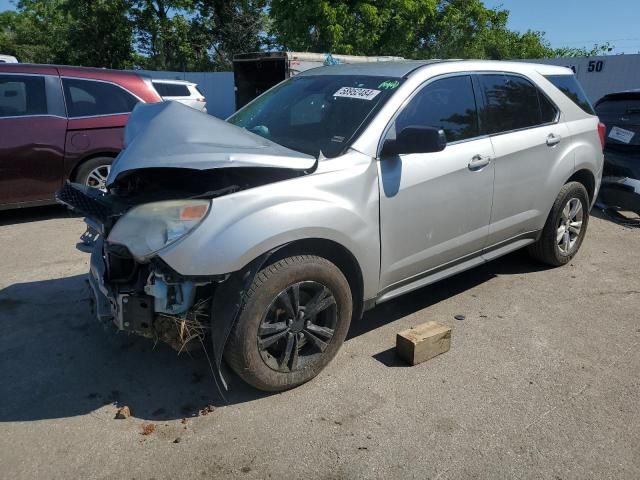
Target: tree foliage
(205,34)
(100,33)
(382,27)
(410,28)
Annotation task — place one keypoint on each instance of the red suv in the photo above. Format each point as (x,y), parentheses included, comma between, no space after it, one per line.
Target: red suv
(59,123)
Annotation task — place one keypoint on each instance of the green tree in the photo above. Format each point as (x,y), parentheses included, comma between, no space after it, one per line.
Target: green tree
(37,32)
(375,27)
(468,29)
(233,26)
(169,34)
(597,49)
(410,28)
(78,32)
(100,33)
(9,42)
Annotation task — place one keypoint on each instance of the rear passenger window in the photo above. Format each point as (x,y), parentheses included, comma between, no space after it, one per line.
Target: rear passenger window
(448,104)
(568,85)
(513,103)
(22,95)
(86,98)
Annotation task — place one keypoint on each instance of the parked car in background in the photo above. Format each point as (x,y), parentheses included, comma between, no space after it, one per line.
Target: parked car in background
(182,91)
(59,123)
(620,112)
(8,59)
(341,188)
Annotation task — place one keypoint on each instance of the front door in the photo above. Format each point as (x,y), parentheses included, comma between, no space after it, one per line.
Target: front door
(435,208)
(32,136)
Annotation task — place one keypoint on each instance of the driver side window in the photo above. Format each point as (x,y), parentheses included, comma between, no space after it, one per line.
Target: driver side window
(448,104)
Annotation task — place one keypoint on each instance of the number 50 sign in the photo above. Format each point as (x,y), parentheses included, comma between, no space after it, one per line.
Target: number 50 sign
(595,66)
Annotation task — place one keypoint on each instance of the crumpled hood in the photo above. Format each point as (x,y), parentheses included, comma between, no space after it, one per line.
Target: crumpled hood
(172,135)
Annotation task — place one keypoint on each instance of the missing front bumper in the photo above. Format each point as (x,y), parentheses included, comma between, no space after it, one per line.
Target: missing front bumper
(172,310)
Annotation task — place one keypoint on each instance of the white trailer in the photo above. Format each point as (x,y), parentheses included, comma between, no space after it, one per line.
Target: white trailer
(255,73)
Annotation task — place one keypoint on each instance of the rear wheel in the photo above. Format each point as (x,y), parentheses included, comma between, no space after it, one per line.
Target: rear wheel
(295,318)
(565,228)
(94,172)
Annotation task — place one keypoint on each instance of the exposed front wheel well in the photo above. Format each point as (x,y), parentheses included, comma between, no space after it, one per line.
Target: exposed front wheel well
(336,254)
(587,179)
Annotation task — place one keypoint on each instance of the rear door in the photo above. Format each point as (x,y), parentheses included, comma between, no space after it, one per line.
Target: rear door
(98,112)
(33,126)
(527,141)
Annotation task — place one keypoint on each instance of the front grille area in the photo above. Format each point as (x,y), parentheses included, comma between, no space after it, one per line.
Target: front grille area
(87,201)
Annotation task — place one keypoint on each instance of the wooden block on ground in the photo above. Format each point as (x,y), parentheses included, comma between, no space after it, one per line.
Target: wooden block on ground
(419,344)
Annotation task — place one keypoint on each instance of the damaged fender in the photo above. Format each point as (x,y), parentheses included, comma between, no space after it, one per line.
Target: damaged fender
(225,309)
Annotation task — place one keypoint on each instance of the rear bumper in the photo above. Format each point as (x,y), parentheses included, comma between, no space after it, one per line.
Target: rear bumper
(621,181)
(621,192)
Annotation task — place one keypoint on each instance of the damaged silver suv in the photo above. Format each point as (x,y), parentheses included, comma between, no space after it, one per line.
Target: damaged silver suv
(336,190)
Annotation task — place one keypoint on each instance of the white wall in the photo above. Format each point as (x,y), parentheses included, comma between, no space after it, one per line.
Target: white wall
(615,73)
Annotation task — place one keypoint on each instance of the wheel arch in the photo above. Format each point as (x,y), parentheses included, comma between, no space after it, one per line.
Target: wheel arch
(337,254)
(76,166)
(587,179)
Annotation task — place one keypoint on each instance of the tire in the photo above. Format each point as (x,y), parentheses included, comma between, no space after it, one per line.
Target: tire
(252,351)
(550,247)
(92,172)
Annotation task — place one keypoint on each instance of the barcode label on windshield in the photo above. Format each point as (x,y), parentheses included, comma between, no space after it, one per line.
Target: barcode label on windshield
(353,92)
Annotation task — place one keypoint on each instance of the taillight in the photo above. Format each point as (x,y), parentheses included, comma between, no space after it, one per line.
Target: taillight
(602,131)
(200,99)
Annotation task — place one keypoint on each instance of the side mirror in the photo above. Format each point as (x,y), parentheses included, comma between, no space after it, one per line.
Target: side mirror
(415,139)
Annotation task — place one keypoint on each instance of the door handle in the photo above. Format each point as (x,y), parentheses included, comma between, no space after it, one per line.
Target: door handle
(553,140)
(478,162)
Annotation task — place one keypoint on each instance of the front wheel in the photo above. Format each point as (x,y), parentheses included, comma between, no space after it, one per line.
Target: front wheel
(565,228)
(295,318)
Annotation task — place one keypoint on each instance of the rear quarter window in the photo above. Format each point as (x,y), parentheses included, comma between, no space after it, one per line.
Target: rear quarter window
(172,89)
(568,84)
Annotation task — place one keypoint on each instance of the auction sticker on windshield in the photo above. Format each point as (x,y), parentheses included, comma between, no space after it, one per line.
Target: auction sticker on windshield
(621,135)
(354,92)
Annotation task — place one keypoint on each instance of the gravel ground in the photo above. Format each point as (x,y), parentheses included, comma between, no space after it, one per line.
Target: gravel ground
(541,380)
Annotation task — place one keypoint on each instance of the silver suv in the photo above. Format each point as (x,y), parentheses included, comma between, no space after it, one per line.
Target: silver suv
(336,190)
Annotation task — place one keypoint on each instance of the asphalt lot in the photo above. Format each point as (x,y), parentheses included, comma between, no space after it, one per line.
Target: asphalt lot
(541,380)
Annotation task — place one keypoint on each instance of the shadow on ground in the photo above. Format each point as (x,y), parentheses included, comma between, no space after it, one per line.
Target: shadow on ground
(28,215)
(57,361)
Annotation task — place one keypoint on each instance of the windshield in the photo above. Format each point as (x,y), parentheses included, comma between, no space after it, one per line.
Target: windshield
(316,113)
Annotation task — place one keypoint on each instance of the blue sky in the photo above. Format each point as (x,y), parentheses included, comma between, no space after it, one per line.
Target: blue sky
(567,23)
(578,23)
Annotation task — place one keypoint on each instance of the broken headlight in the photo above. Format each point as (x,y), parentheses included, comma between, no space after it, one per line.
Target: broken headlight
(150,227)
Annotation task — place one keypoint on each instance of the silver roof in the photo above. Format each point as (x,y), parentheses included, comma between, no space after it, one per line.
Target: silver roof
(383,68)
(405,68)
